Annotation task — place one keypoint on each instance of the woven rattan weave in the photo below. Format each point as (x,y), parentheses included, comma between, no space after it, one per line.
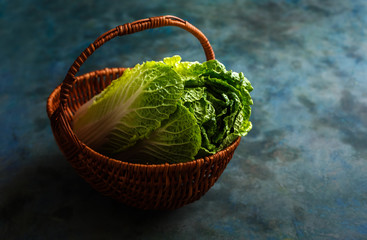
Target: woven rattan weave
(163,186)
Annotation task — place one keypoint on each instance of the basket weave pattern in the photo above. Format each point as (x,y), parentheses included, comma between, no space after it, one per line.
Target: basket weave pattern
(160,186)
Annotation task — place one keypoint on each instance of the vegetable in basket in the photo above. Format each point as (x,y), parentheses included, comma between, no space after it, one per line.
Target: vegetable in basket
(168,111)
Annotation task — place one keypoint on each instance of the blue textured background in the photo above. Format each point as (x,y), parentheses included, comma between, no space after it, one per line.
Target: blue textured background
(301,173)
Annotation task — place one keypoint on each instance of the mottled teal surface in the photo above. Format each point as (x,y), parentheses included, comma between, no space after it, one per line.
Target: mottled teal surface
(301,173)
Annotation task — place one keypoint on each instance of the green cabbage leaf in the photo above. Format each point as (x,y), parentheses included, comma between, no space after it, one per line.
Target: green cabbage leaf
(130,109)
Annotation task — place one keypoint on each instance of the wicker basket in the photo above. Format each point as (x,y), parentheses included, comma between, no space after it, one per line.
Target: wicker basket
(161,186)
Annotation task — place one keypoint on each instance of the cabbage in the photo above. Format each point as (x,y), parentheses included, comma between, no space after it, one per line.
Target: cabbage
(219,99)
(168,111)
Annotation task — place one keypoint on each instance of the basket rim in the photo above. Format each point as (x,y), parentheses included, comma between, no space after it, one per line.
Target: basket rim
(52,98)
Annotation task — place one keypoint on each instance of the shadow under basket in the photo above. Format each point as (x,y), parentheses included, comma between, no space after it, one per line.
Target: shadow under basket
(159,186)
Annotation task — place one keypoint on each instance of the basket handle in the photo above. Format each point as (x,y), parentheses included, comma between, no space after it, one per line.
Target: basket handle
(125,29)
